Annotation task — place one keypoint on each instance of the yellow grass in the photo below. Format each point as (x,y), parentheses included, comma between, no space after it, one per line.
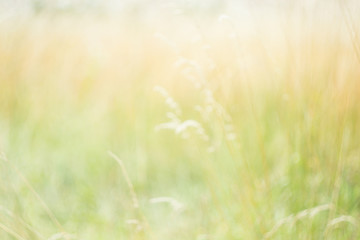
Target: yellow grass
(225,126)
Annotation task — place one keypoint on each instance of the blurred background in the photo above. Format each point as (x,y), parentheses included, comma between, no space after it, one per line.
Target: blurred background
(179,119)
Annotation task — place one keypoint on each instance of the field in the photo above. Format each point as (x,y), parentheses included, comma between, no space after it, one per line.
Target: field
(181,122)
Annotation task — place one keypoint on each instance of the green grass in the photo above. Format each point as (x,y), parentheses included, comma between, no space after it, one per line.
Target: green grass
(248,139)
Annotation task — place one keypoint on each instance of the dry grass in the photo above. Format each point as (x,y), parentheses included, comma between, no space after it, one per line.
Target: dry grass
(228,126)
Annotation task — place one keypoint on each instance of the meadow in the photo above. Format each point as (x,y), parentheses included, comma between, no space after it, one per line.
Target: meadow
(181,123)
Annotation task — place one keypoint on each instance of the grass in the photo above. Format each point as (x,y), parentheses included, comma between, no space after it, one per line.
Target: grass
(128,128)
